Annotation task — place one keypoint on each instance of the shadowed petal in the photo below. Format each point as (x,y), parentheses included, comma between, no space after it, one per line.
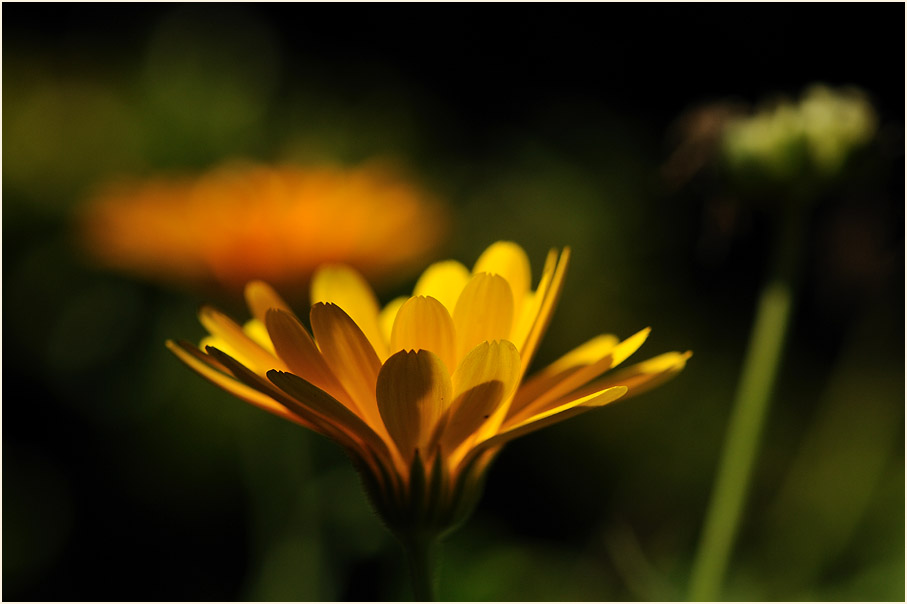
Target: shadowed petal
(295,346)
(332,410)
(209,369)
(413,389)
(350,357)
(315,409)
(247,351)
(484,379)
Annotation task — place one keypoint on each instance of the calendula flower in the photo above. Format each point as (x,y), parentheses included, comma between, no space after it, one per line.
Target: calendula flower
(241,222)
(424,392)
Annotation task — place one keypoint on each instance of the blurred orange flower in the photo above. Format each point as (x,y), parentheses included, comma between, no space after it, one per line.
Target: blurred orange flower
(240,222)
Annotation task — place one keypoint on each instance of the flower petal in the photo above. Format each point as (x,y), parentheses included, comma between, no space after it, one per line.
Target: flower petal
(643,376)
(423,323)
(350,357)
(484,312)
(218,343)
(344,286)
(581,356)
(627,347)
(328,407)
(253,380)
(556,414)
(297,349)
(443,281)
(317,407)
(247,351)
(413,389)
(585,354)
(523,322)
(484,379)
(535,318)
(508,260)
(208,369)
(572,379)
(260,297)
(258,333)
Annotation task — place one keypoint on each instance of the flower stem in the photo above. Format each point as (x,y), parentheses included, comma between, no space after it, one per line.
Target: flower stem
(748,415)
(421,554)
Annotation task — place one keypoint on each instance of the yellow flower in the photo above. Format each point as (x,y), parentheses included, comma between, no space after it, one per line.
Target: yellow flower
(241,222)
(424,392)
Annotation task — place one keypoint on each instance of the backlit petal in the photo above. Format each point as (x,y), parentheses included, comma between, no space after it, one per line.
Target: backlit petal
(581,356)
(218,343)
(297,349)
(643,376)
(316,407)
(258,333)
(253,380)
(508,260)
(484,312)
(196,360)
(557,414)
(585,354)
(423,323)
(326,406)
(260,297)
(572,379)
(350,357)
(547,296)
(484,379)
(443,281)
(247,351)
(413,389)
(537,314)
(627,347)
(344,286)
(523,322)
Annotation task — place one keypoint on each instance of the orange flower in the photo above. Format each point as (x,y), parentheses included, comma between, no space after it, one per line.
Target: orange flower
(241,222)
(423,393)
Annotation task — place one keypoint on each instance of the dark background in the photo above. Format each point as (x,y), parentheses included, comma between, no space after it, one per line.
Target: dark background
(125,477)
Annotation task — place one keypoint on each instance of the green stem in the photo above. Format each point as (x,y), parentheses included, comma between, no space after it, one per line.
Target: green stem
(421,557)
(747,417)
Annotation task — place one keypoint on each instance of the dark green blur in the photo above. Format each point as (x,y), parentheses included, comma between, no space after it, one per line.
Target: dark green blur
(128,477)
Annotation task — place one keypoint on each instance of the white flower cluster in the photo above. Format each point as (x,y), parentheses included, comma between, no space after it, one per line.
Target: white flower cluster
(817,134)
